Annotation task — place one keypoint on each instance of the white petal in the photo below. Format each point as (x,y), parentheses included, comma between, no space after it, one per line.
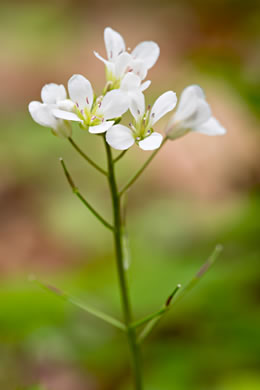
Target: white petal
(66,105)
(114,43)
(197,113)
(211,127)
(102,128)
(122,64)
(137,105)
(148,52)
(145,85)
(120,137)
(151,142)
(52,93)
(130,82)
(80,91)
(106,62)
(42,114)
(165,103)
(192,108)
(69,116)
(114,104)
(189,93)
(110,66)
(175,131)
(139,67)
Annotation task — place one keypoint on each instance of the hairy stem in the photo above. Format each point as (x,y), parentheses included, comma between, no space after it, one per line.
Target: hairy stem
(131,332)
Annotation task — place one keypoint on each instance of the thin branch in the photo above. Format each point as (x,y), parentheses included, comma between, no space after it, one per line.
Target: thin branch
(83,200)
(149,317)
(158,313)
(91,162)
(205,267)
(171,296)
(156,317)
(68,298)
(119,156)
(140,171)
(148,329)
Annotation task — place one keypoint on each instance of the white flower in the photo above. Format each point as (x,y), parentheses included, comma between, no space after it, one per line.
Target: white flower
(132,88)
(193,114)
(53,96)
(93,114)
(119,62)
(141,131)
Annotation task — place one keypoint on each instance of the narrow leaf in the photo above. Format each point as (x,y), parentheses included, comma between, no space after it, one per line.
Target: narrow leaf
(156,317)
(205,267)
(75,301)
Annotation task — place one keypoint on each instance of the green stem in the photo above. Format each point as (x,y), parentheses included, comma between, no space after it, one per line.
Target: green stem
(83,200)
(149,317)
(160,312)
(83,306)
(205,267)
(148,329)
(153,319)
(140,171)
(120,156)
(193,282)
(91,162)
(131,333)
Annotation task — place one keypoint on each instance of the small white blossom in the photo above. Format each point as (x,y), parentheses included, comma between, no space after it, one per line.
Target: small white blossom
(93,114)
(119,62)
(53,96)
(193,114)
(141,131)
(132,89)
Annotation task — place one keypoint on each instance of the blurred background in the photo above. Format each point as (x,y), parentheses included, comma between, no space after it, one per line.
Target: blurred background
(199,191)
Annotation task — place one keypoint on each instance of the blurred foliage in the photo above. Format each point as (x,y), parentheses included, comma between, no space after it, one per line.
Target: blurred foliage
(28,23)
(213,335)
(227,68)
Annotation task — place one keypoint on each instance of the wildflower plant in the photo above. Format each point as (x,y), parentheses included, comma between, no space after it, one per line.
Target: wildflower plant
(103,115)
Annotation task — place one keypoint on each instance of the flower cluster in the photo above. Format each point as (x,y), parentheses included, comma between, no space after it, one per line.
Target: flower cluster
(124,90)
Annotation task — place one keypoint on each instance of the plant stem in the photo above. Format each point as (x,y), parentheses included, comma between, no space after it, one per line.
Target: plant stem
(140,171)
(131,332)
(91,162)
(157,316)
(83,200)
(148,329)
(205,267)
(160,312)
(120,156)
(83,306)
(150,317)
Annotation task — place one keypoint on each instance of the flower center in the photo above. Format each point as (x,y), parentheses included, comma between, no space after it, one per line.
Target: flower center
(116,78)
(142,127)
(91,116)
